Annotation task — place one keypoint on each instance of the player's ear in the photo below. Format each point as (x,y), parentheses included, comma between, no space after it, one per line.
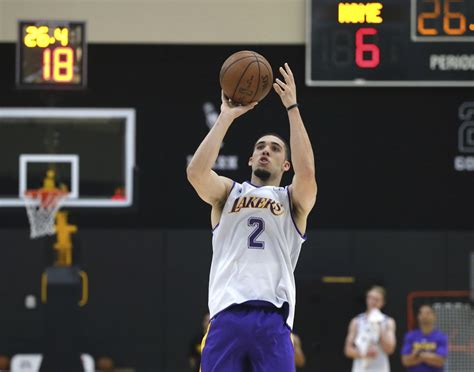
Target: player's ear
(250,161)
(286,166)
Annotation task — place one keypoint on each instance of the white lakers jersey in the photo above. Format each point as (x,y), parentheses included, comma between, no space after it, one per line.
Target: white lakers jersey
(255,249)
(365,330)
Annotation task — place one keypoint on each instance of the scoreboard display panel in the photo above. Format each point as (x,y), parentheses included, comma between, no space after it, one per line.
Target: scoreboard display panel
(390,43)
(51,54)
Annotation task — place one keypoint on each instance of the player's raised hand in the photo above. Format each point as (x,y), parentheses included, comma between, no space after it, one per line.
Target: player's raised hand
(286,89)
(234,111)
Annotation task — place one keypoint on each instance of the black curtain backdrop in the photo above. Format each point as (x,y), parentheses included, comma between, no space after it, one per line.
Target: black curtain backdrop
(391,209)
(148,289)
(385,156)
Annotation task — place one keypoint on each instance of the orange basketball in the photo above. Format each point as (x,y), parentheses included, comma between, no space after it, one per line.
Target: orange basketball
(245,77)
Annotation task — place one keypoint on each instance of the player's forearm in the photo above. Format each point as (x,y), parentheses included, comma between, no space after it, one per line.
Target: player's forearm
(410,360)
(432,359)
(301,150)
(300,359)
(206,154)
(352,352)
(388,342)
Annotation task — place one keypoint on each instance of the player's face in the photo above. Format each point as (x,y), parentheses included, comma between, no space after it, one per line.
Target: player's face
(426,316)
(375,300)
(269,155)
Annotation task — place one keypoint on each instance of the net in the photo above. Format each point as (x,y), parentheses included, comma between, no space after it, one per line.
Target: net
(41,207)
(455,317)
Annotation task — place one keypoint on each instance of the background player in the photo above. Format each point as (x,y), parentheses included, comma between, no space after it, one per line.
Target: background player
(371,336)
(425,349)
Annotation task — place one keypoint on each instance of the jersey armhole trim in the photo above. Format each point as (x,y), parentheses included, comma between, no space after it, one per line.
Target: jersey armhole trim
(303,236)
(230,191)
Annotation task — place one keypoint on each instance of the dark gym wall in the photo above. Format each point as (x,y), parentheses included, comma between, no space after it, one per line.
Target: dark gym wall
(148,289)
(391,209)
(385,156)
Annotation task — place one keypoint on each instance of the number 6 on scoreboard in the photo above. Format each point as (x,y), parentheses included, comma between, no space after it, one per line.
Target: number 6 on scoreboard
(363,48)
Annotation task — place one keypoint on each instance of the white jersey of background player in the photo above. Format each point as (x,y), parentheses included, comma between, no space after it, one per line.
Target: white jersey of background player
(371,336)
(256,242)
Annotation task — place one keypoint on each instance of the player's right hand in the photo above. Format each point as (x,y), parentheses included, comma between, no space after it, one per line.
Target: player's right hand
(234,111)
(371,351)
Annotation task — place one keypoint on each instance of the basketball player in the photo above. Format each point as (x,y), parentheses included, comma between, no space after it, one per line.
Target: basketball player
(425,349)
(371,336)
(258,229)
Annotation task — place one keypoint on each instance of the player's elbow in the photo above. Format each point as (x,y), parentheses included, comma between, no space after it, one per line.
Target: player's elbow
(405,362)
(193,174)
(348,352)
(439,364)
(389,349)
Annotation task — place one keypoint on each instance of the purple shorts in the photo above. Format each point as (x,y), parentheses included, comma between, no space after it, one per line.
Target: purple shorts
(250,337)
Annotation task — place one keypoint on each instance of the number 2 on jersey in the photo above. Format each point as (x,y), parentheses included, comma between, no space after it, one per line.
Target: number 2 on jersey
(259,225)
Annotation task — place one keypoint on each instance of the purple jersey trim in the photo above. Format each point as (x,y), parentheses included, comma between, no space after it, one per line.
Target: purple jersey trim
(303,236)
(259,303)
(217,225)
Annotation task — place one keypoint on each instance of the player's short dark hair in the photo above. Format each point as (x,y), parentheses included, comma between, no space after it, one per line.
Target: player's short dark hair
(287,147)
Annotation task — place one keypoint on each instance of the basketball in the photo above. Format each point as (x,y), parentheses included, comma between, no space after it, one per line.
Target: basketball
(245,77)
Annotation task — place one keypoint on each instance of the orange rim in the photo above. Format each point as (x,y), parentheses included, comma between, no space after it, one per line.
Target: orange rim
(47,198)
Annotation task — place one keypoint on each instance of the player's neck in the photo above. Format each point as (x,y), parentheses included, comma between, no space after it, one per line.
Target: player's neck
(367,312)
(270,182)
(427,329)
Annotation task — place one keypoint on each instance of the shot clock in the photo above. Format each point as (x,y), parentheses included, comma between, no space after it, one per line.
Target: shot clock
(390,43)
(51,54)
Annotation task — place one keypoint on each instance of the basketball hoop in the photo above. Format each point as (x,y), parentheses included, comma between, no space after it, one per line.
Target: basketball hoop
(41,207)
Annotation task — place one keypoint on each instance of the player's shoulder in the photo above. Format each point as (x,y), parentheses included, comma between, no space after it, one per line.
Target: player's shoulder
(440,334)
(390,321)
(355,320)
(229,183)
(412,334)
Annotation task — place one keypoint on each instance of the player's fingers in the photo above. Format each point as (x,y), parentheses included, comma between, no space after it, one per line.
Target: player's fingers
(251,105)
(229,103)
(283,72)
(277,89)
(289,72)
(223,97)
(226,100)
(247,107)
(280,83)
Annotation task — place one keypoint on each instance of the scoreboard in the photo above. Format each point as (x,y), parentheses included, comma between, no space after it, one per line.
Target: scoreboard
(390,43)
(51,54)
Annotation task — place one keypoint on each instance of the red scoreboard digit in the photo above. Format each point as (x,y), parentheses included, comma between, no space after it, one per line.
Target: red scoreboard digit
(390,43)
(51,54)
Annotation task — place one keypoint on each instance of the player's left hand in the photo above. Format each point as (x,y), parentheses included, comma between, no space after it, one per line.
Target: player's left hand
(286,89)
